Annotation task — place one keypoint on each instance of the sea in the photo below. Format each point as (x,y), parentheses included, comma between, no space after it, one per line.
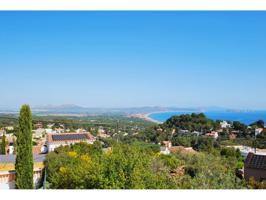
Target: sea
(244,117)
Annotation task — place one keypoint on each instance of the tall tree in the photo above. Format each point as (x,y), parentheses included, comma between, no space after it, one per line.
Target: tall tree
(24,158)
(3,145)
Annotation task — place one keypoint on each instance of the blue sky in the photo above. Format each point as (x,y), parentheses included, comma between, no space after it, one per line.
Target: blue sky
(122,59)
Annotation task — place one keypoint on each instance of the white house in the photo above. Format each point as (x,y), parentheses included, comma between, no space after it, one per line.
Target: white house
(225,124)
(9,128)
(50,125)
(39,132)
(245,150)
(165,150)
(48,130)
(10,149)
(59,130)
(80,130)
(2,132)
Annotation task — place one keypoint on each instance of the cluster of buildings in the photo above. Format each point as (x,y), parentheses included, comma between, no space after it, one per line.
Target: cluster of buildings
(224,126)
(48,140)
(52,137)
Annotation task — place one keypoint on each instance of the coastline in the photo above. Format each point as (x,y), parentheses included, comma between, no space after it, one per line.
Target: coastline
(243,118)
(146,117)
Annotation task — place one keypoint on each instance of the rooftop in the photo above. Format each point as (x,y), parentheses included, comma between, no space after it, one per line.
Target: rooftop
(12,158)
(69,137)
(255,161)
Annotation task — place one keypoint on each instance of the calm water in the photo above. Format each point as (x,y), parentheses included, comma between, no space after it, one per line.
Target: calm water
(244,117)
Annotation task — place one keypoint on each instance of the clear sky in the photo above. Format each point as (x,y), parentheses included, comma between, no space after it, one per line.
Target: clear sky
(124,59)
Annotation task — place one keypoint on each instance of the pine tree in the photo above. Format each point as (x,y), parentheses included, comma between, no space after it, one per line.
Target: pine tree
(3,145)
(24,158)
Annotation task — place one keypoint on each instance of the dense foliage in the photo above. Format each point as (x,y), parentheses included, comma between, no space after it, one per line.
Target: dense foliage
(193,122)
(135,166)
(24,158)
(88,166)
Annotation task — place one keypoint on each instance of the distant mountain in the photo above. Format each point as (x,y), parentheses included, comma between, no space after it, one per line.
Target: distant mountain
(74,109)
(57,108)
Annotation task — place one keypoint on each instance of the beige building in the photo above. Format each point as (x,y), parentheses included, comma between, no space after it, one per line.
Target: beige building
(8,173)
(57,140)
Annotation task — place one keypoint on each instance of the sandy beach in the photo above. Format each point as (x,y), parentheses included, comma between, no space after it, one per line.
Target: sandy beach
(146,117)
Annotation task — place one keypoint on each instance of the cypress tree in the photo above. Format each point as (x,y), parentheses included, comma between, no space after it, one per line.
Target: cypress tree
(3,145)
(24,158)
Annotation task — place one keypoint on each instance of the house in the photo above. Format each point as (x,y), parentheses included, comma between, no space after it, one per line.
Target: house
(59,130)
(255,166)
(167,144)
(10,141)
(48,130)
(165,148)
(225,124)
(8,173)
(57,140)
(10,148)
(245,150)
(39,132)
(9,128)
(258,131)
(50,125)
(2,132)
(38,125)
(213,134)
(80,130)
